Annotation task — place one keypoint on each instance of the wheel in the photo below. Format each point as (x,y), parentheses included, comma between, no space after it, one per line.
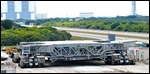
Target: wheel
(14,60)
(117,62)
(43,64)
(106,62)
(112,62)
(12,55)
(36,65)
(31,65)
(35,62)
(21,65)
(18,60)
(132,62)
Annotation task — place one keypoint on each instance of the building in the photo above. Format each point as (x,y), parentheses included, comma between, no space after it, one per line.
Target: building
(18,10)
(11,14)
(25,14)
(86,14)
(133,8)
(140,51)
(41,16)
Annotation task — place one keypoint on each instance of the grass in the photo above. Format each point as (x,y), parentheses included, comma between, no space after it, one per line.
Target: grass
(81,38)
(72,38)
(8,46)
(118,35)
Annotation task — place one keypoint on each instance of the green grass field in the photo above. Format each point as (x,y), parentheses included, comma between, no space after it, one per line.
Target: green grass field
(81,38)
(8,46)
(72,38)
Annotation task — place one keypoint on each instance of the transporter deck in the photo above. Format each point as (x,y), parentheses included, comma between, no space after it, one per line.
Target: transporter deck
(110,52)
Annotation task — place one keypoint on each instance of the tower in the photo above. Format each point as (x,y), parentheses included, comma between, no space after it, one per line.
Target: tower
(133,8)
(11,14)
(35,10)
(25,14)
(14,10)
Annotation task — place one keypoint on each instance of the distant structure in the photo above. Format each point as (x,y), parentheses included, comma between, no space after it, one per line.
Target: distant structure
(133,8)
(41,16)
(86,14)
(25,14)
(13,12)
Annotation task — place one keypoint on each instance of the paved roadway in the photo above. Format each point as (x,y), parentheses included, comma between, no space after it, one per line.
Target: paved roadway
(95,36)
(105,32)
(87,67)
(102,36)
(84,67)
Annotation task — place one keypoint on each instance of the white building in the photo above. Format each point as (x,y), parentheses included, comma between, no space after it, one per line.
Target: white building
(86,14)
(140,51)
(41,16)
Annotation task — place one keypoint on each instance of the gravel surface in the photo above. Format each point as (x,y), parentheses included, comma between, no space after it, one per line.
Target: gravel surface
(84,67)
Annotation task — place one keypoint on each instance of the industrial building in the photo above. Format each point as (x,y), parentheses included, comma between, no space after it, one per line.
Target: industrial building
(86,14)
(25,14)
(140,51)
(18,10)
(41,16)
(11,14)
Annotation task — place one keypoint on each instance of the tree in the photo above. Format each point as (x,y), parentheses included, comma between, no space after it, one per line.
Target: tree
(7,24)
(14,36)
(119,28)
(28,22)
(114,25)
(2,28)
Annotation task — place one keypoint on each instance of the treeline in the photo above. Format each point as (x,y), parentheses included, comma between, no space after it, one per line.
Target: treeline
(14,36)
(120,23)
(41,21)
(11,37)
(8,24)
(127,24)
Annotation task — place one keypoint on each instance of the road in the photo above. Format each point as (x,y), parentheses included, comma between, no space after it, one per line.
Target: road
(105,31)
(102,36)
(80,34)
(85,67)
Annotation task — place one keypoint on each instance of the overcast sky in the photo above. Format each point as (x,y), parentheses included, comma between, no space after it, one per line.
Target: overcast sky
(99,8)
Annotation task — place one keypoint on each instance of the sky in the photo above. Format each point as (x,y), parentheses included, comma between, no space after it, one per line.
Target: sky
(99,8)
